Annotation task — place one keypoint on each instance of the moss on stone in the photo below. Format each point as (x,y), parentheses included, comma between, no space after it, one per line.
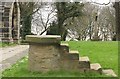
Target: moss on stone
(43,39)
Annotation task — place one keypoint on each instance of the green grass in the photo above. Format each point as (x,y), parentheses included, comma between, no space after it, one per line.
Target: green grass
(20,69)
(105,53)
(3,44)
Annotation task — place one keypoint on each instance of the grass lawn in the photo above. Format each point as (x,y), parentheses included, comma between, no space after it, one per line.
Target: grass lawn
(20,70)
(3,44)
(105,53)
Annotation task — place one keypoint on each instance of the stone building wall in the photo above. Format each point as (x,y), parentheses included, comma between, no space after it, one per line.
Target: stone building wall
(9,21)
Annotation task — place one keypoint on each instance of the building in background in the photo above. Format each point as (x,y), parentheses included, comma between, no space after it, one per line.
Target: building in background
(9,21)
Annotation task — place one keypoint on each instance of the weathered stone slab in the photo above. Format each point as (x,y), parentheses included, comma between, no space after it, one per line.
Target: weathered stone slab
(69,65)
(84,63)
(96,67)
(47,39)
(64,48)
(74,55)
(68,56)
(109,72)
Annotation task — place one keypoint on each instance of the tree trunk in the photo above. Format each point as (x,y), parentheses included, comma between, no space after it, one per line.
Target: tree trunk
(117,9)
(26,10)
(95,36)
(26,27)
(62,31)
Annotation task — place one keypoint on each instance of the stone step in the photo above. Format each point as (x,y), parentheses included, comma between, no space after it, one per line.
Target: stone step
(84,63)
(64,44)
(74,55)
(109,72)
(74,52)
(64,48)
(96,67)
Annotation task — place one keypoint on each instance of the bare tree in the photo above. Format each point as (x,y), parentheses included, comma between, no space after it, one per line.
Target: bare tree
(27,9)
(42,18)
(87,26)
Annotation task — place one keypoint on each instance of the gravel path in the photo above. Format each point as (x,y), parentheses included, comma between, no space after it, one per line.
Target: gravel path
(9,55)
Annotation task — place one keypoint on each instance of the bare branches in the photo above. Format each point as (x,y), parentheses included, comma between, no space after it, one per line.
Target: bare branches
(42,18)
(30,8)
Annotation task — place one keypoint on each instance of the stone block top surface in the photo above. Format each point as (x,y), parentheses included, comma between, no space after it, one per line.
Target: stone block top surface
(64,44)
(43,39)
(74,52)
(86,59)
(95,66)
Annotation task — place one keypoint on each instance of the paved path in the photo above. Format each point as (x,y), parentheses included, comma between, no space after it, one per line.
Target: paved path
(9,55)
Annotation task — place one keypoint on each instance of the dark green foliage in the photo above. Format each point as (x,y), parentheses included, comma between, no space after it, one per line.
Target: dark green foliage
(53,30)
(26,11)
(26,27)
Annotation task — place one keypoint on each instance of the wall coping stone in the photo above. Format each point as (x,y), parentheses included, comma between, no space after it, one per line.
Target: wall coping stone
(46,39)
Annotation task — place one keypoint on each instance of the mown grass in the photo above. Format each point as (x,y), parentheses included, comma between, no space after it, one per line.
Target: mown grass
(20,69)
(105,53)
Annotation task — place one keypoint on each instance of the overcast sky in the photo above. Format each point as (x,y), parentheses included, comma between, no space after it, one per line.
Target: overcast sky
(102,1)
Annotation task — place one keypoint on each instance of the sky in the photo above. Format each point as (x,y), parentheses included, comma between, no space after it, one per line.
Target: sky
(102,1)
(105,1)
(45,13)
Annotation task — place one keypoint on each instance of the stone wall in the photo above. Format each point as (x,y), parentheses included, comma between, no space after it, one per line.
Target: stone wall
(46,53)
(9,26)
(44,57)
